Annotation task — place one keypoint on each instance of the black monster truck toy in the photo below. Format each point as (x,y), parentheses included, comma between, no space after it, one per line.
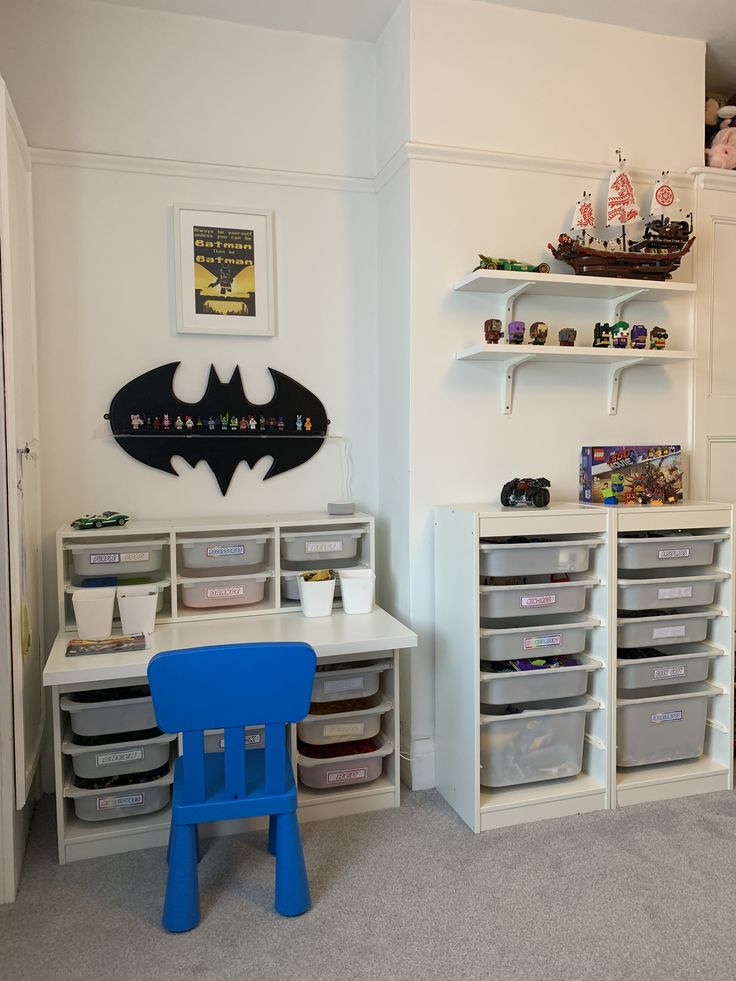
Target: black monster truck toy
(529,491)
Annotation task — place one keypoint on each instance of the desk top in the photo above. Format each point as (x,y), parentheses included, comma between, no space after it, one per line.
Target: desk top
(329,636)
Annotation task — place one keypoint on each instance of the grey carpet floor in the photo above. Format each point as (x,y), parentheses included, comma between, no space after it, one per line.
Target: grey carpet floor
(647,892)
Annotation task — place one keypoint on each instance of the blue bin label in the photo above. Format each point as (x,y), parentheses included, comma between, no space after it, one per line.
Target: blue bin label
(550,640)
(226,550)
(674,716)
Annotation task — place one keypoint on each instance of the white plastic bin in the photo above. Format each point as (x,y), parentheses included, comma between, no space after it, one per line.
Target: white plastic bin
(504,558)
(117,559)
(541,684)
(222,591)
(679,589)
(347,681)
(93,612)
(112,759)
(679,664)
(358,588)
(316,596)
(222,553)
(159,586)
(339,727)
(677,549)
(309,546)
(551,635)
(343,771)
(134,799)
(95,718)
(535,599)
(543,742)
(657,631)
(254,738)
(661,727)
(290,587)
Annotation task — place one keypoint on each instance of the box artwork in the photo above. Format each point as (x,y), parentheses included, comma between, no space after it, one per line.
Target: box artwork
(631,475)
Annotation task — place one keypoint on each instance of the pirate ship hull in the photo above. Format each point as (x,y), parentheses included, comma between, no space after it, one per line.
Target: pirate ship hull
(644,261)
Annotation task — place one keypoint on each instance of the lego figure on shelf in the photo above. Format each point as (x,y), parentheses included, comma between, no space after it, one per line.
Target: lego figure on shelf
(252,424)
(243,423)
(167,422)
(567,337)
(639,336)
(156,423)
(189,423)
(608,495)
(136,422)
(308,424)
(280,424)
(538,332)
(224,420)
(602,335)
(262,423)
(233,423)
(516,332)
(198,423)
(179,424)
(211,423)
(658,338)
(620,334)
(493,331)
(298,425)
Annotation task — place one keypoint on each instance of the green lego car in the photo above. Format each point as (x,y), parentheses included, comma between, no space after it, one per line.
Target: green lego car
(510,265)
(103,520)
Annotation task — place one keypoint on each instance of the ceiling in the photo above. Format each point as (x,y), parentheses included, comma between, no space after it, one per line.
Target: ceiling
(713,21)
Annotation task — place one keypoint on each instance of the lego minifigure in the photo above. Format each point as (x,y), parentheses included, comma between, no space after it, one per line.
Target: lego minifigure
(567,337)
(211,423)
(252,424)
(233,423)
(493,331)
(516,332)
(243,423)
(620,334)
(658,338)
(189,423)
(136,422)
(167,422)
(638,336)
(224,420)
(298,425)
(156,423)
(538,333)
(281,425)
(308,424)
(198,423)
(602,335)
(261,423)
(179,424)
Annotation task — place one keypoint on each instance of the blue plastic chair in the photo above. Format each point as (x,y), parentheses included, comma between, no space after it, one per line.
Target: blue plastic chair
(229,687)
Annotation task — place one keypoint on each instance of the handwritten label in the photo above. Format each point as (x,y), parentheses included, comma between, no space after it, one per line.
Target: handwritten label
(673,553)
(104,558)
(217,550)
(224,592)
(345,684)
(323,547)
(675,592)
(347,776)
(253,740)
(661,632)
(676,671)
(126,800)
(545,599)
(658,717)
(120,756)
(344,729)
(551,640)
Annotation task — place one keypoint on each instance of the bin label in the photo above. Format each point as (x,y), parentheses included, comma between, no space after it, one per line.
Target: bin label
(224,592)
(323,547)
(660,633)
(347,776)
(125,800)
(104,558)
(226,550)
(253,740)
(345,684)
(676,671)
(120,756)
(134,556)
(344,729)
(673,553)
(551,640)
(544,599)
(658,717)
(675,592)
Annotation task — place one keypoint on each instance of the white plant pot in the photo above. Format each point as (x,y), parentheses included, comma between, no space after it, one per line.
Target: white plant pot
(93,612)
(137,606)
(357,587)
(316,597)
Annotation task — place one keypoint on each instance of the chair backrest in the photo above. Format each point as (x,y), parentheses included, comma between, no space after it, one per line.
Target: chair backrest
(229,687)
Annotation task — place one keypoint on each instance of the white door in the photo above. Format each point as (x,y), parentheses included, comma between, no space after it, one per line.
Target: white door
(22,484)
(714,442)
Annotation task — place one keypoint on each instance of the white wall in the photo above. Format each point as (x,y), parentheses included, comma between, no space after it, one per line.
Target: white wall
(393,61)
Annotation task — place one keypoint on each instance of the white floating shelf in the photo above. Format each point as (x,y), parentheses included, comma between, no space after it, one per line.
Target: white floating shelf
(616,360)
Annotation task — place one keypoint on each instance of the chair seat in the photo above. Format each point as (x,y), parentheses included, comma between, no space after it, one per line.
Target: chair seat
(218,806)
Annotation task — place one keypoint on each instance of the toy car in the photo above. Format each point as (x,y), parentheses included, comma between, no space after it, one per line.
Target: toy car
(529,491)
(512,265)
(103,520)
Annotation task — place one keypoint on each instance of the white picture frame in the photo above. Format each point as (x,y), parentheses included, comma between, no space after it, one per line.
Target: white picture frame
(232,292)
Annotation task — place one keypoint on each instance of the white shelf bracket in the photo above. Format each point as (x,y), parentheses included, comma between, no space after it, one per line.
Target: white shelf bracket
(614,379)
(620,302)
(509,369)
(511,296)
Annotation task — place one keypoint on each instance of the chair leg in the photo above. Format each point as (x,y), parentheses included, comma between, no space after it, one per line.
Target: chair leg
(292,886)
(181,905)
(272,826)
(199,843)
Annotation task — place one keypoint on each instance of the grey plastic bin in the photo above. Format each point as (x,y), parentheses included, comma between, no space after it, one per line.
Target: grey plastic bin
(117,559)
(113,759)
(254,738)
(682,664)
(135,799)
(535,599)
(290,586)
(661,727)
(543,742)
(327,543)
(222,552)
(542,684)
(679,589)
(343,771)
(534,558)
(667,551)
(551,635)
(348,682)
(339,727)
(657,631)
(119,715)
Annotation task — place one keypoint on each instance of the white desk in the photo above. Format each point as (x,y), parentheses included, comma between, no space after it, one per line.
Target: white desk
(338,637)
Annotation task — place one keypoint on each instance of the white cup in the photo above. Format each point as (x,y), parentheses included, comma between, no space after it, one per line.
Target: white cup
(137,605)
(316,597)
(93,612)
(357,587)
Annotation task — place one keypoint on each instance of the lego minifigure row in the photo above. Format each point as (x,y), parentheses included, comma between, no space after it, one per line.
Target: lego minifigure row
(225,422)
(538,333)
(618,335)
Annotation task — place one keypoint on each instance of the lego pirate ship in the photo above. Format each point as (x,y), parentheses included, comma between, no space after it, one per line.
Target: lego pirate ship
(655,255)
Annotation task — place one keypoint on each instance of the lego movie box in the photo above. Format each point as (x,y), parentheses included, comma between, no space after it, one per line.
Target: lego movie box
(631,475)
